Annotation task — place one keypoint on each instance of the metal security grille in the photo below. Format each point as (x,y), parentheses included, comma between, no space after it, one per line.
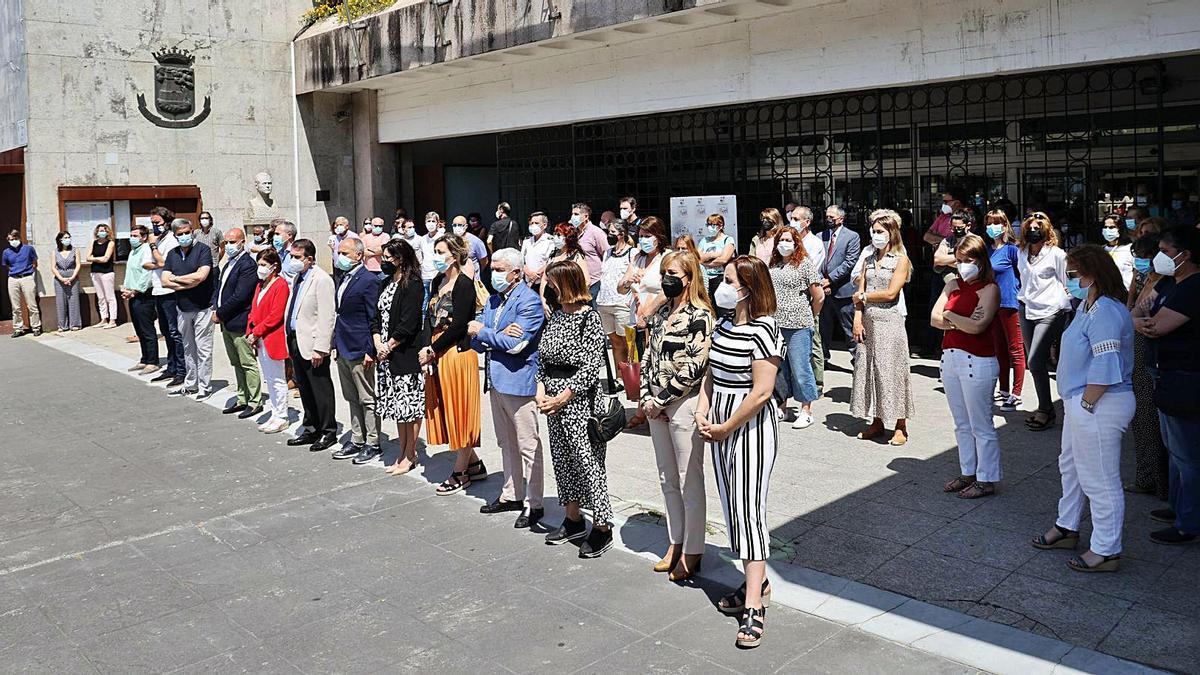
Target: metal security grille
(1068,142)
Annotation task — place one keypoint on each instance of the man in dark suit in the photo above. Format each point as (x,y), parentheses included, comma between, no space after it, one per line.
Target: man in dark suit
(232,296)
(357,299)
(842,247)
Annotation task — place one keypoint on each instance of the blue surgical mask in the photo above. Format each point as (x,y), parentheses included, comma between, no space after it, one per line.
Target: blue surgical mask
(345,263)
(135,243)
(185,240)
(994,230)
(277,242)
(710,230)
(1076,290)
(1177,204)
(440,263)
(576,220)
(1143,265)
(647,244)
(232,250)
(1110,234)
(292,266)
(500,281)
(1130,224)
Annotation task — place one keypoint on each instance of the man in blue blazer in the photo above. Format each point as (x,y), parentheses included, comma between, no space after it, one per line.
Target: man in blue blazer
(232,295)
(357,303)
(842,246)
(507,334)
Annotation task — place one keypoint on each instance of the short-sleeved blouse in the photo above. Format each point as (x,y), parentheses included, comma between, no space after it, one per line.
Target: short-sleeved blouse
(735,348)
(793,302)
(1097,348)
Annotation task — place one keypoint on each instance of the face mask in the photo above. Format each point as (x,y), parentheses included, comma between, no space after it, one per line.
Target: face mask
(500,281)
(499,215)
(1130,224)
(786,248)
(345,263)
(1177,204)
(185,240)
(995,230)
(339,230)
(672,286)
(277,242)
(1076,290)
(14,243)
(947,209)
(968,271)
(460,230)
(710,230)
(1164,264)
(205,222)
(264,271)
(647,244)
(258,239)
(799,225)
(292,266)
(157,228)
(880,240)
(135,243)
(576,220)
(535,229)
(440,263)
(1035,236)
(559,241)
(960,232)
(551,295)
(726,296)
(102,234)
(612,240)
(232,249)
(1141,200)
(387,267)
(625,213)
(1143,265)
(377,229)
(431,226)
(409,233)
(1110,233)
(765,225)
(66,242)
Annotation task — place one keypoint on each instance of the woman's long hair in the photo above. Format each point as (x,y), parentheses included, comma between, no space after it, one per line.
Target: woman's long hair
(406,262)
(797,256)
(697,289)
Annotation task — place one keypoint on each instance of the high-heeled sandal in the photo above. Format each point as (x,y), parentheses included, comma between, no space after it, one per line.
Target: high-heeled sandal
(687,567)
(752,625)
(736,601)
(1068,540)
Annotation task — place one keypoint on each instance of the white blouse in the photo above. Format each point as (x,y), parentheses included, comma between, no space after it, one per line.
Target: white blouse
(1043,282)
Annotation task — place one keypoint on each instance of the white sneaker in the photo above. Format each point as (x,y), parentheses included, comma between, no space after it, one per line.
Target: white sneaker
(1011,403)
(274,426)
(803,421)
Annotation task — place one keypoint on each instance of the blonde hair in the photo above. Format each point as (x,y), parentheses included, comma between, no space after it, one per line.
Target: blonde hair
(1044,223)
(1008,235)
(457,247)
(891,222)
(697,289)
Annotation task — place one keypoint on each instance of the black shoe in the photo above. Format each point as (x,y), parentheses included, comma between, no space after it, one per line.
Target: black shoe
(570,530)
(597,543)
(302,439)
(1173,535)
(1163,516)
(477,471)
(164,376)
(175,382)
(324,443)
(37,332)
(368,454)
(528,518)
(236,407)
(250,412)
(19,333)
(347,451)
(500,506)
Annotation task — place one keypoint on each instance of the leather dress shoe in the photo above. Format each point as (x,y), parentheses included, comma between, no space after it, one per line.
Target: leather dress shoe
(250,412)
(302,439)
(500,506)
(368,454)
(236,407)
(528,518)
(163,376)
(347,451)
(324,443)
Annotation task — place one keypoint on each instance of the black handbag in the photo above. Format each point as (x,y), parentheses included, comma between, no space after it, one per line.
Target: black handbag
(607,419)
(1177,393)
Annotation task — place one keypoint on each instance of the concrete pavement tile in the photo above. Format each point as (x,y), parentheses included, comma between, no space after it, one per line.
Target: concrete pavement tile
(378,495)
(1025,516)
(166,642)
(489,544)
(448,656)
(853,651)
(254,658)
(856,603)
(652,656)
(181,547)
(229,574)
(23,623)
(646,602)
(930,576)
(927,496)
(1174,591)
(1148,635)
(558,570)
(890,523)
(996,648)
(29,509)
(912,621)
(1132,582)
(294,517)
(1071,614)
(846,554)
(37,658)
(231,532)
(1081,660)
(710,635)
(288,602)
(979,543)
(67,539)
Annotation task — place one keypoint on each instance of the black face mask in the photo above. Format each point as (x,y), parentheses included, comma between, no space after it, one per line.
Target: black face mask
(551,295)
(1035,236)
(766,225)
(672,286)
(387,267)
(960,232)
(612,240)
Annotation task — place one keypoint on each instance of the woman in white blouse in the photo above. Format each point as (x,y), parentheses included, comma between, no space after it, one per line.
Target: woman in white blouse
(1044,307)
(644,278)
(1116,244)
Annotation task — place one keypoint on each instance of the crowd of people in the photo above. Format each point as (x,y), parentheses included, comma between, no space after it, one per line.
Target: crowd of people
(721,343)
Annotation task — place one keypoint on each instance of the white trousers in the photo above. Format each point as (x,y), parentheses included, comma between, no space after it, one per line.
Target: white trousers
(1090,464)
(197,330)
(969,381)
(275,382)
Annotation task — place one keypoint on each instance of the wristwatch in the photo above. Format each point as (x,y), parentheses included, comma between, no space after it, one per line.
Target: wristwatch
(1090,407)
(153,246)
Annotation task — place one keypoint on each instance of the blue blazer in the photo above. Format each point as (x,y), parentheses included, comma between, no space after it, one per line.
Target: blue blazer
(356,310)
(512,362)
(840,262)
(236,294)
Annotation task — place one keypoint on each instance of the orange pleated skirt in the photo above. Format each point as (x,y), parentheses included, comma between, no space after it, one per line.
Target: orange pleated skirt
(452,406)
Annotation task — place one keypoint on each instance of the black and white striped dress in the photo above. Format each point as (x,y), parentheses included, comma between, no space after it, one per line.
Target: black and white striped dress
(743,461)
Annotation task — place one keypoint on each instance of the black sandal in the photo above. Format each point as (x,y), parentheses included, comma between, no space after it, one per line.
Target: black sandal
(736,601)
(477,471)
(1034,424)
(1069,540)
(1110,563)
(457,482)
(752,625)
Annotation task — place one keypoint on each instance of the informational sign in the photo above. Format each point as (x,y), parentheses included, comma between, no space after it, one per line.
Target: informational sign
(82,219)
(689,214)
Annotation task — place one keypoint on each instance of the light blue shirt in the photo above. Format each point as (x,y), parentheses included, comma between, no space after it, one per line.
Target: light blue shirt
(1097,348)
(299,291)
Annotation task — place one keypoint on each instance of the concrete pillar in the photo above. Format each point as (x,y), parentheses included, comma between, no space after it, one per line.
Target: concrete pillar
(375,164)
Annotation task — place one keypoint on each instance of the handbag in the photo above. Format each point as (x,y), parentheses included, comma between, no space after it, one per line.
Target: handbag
(1177,393)
(607,419)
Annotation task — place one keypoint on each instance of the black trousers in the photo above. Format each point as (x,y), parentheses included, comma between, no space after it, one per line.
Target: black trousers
(316,390)
(841,312)
(142,314)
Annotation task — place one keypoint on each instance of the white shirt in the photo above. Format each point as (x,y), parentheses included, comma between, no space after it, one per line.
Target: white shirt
(165,244)
(651,283)
(1123,257)
(1043,282)
(225,269)
(815,249)
(867,252)
(424,248)
(536,252)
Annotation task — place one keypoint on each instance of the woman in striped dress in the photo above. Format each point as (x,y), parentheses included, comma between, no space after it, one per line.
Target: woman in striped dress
(736,415)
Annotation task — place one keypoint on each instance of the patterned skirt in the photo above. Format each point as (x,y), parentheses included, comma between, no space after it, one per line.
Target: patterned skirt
(881,380)
(400,398)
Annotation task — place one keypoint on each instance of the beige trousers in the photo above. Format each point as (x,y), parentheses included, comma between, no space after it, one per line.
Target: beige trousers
(678,450)
(25,289)
(516,421)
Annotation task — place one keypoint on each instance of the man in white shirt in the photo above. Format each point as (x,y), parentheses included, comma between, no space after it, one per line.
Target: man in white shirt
(537,249)
(161,242)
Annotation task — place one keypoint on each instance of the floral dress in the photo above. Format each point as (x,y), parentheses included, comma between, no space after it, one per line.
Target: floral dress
(400,398)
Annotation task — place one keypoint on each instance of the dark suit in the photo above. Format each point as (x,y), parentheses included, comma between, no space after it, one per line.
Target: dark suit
(357,297)
(232,296)
(842,247)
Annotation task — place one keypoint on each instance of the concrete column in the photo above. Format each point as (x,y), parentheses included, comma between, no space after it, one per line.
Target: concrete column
(375,164)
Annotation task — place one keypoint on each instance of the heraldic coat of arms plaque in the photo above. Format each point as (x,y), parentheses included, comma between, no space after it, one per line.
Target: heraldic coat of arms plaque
(174,91)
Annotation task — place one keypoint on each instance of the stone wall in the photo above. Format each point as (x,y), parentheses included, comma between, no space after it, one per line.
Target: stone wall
(14,85)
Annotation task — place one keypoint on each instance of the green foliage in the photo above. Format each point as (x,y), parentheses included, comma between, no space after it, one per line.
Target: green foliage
(358,9)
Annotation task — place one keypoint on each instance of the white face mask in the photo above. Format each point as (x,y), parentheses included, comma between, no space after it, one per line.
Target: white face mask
(1110,233)
(947,209)
(339,230)
(880,240)
(264,271)
(785,247)
(535,229)
(1165,264)
(559,241)
(968,270)
(625,213)
(460,230)
(66,242)
(205,222)
(726,296)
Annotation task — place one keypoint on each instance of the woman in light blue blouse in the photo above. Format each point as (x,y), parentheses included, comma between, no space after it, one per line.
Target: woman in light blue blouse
(1095,381)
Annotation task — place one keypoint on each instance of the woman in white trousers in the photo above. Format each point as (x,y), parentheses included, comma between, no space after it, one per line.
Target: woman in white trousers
(1095,381)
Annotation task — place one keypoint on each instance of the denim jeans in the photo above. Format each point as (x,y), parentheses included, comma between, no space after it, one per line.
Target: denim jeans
(167,308)
(1182,437)
(796,375)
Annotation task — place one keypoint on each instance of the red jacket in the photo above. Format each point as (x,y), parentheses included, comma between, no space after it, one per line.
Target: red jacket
(266,318)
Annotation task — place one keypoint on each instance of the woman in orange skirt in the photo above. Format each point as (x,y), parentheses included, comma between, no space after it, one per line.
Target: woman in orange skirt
(452,391)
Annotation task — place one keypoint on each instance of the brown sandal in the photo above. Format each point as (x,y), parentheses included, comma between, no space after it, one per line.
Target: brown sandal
(1068,539)
(958,484)
(977,490)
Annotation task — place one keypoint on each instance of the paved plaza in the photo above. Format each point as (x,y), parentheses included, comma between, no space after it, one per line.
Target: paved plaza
(141,533)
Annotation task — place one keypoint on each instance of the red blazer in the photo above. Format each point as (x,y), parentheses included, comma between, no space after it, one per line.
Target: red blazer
(266,318)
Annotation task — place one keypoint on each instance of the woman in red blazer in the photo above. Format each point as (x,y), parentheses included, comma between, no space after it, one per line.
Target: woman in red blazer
(264,332)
